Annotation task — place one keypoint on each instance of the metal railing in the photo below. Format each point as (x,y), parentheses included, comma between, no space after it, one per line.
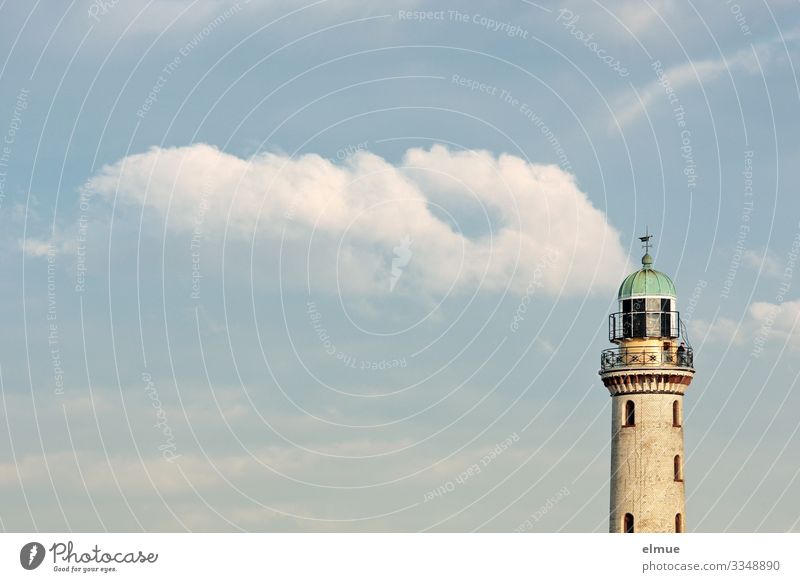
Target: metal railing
(616,358)
(643,324)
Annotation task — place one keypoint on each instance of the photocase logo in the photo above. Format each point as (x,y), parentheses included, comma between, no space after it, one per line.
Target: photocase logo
(402,256)
(31,555)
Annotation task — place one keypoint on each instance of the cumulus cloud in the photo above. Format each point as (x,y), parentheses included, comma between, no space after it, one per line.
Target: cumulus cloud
(764,260)
(777,320)
(475,220)
(764,321)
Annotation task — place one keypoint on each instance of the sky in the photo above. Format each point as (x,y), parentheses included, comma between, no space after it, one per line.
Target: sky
(343,266)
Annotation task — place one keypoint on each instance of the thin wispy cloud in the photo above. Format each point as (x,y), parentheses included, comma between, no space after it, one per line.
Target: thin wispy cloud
(631,109)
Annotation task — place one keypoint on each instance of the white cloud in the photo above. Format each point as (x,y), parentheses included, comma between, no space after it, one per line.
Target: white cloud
(777,321)
(686,74)
(765,260)
(719,331)
(763,322)
(642,17)
(182,19)
(524,221)
(34,247)
(39,247)
(162,16)
(544,346)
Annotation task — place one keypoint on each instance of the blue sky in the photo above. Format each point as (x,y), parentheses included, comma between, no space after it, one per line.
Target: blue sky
(279,266)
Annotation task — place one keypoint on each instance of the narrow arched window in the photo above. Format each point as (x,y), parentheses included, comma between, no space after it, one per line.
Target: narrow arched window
(630,413)
(678,523)
(678,469)
(627,523)
(676,413)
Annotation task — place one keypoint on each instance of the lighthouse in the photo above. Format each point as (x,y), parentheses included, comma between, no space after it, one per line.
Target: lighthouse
(647,374)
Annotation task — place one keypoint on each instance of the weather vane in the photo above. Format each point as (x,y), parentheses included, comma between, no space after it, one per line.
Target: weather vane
(646,240)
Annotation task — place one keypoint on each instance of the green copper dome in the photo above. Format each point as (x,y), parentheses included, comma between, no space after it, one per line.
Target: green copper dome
(647,281)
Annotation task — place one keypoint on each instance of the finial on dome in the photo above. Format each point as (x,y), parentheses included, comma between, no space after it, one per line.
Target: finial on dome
(647,260)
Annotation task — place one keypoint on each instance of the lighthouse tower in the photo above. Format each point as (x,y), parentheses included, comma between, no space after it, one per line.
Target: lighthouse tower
(647,375)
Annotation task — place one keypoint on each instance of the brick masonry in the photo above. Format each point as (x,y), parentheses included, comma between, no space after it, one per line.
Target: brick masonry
(643,479)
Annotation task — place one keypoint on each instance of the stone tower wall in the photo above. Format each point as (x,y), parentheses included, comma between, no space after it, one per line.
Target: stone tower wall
(642,464)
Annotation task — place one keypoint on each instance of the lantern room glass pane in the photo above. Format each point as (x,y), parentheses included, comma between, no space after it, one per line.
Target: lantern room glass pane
(666,325)
(639,324)
(653,325)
